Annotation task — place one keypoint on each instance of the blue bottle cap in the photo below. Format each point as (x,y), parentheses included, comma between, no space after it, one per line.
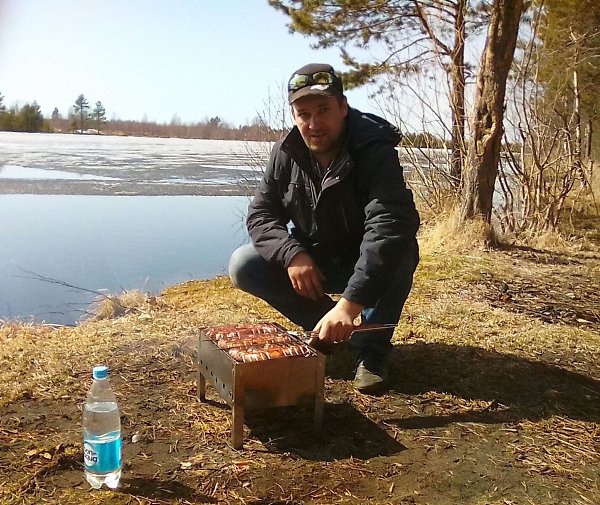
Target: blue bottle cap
(100,372)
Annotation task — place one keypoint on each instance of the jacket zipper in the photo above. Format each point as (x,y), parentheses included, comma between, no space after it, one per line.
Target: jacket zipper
(326,183)
(344,218)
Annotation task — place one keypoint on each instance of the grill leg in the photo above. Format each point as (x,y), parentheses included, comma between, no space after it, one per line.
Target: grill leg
(319,395)
(318,418)
(201,386)
(237,428)
(201,381)
(237,407)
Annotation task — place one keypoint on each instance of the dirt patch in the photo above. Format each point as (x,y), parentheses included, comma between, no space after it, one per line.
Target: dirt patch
(494,399)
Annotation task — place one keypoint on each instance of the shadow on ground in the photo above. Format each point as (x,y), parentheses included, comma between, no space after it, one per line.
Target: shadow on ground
(346,433)
(162,491)
(512,389)
(516,388)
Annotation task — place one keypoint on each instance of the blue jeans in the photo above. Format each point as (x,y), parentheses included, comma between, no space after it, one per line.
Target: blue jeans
(250,272)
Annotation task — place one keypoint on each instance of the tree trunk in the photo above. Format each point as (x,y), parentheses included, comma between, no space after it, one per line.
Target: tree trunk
(488,110)
(457,97)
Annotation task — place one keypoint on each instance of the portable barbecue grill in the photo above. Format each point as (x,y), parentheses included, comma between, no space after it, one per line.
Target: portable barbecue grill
(259,366)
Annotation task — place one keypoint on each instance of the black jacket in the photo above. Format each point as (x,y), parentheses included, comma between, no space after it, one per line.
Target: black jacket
(360,211)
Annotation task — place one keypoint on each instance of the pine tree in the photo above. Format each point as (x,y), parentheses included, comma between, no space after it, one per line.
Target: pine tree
(28,118)
(408,36)
(99,116)
(81,110)
(488,110)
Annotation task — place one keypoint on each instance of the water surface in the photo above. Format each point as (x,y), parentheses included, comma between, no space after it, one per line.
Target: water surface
(108,244)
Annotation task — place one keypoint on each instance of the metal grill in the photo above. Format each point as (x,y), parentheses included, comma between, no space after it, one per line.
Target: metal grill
(267,382)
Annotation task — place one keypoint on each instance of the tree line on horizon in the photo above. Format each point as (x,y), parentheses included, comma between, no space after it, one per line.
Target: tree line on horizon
(83,119)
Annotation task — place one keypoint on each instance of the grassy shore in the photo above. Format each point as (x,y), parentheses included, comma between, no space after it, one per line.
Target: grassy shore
(495,396)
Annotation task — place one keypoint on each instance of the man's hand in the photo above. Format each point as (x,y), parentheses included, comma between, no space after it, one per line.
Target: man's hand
(338,324)
(305,276)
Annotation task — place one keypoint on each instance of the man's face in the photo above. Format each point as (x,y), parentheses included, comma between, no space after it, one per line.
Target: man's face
(320,120)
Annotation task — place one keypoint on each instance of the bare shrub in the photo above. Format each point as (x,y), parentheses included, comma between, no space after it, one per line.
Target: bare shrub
(114,306)
(419,103)
(546,172)
(272,123)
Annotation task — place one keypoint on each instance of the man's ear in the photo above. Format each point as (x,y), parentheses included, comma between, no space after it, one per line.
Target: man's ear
(345,105)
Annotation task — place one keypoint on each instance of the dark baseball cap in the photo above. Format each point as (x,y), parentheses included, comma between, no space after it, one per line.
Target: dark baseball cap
(314,79)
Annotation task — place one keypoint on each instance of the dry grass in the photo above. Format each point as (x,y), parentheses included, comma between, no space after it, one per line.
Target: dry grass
(446,234)
(497,369)
(113,306)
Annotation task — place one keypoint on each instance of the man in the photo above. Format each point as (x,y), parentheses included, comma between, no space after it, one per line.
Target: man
(336,181)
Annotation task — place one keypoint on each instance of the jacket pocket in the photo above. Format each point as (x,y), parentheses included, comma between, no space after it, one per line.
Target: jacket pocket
(300,207)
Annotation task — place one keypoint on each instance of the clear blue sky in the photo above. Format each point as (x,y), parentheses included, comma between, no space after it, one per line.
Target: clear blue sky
(193,58)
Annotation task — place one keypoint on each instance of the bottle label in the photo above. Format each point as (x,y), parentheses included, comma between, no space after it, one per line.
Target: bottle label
(102,456)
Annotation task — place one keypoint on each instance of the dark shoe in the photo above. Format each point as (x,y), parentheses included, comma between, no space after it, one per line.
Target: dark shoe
(371,375)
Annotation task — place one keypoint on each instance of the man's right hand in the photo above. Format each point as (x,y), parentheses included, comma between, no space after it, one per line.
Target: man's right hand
(305,276)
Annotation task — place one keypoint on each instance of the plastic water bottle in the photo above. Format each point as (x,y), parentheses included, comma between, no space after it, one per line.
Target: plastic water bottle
(101,433)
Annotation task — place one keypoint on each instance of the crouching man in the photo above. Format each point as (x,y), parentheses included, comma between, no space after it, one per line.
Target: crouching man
(332,214)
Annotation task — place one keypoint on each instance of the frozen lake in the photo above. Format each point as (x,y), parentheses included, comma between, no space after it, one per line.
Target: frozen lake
(114,243)
(97,164)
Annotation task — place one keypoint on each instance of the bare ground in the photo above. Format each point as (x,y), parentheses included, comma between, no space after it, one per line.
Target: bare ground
(495,398)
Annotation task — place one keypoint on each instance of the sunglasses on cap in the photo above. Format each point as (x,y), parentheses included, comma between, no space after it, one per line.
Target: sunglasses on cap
(299,81)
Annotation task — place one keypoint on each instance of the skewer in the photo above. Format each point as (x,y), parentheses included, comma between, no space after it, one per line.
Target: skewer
(311,337)
(359,329)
